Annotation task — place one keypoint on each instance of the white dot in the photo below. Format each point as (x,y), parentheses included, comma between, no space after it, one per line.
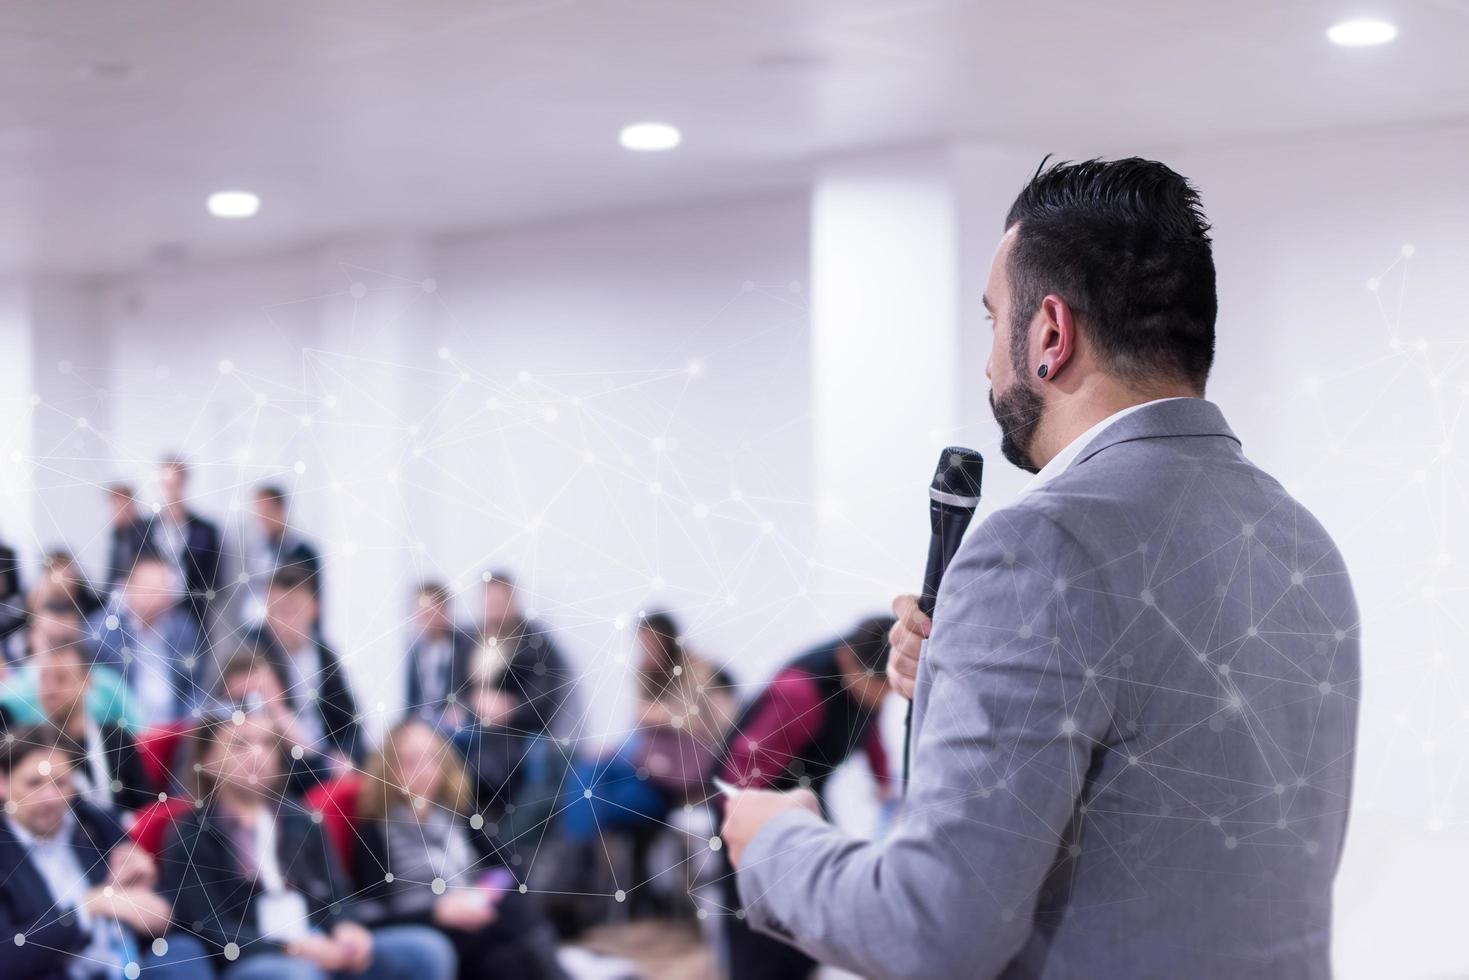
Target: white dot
(1324,687)
(1408,251)
(111,622)
(297,752)
(160,946)
(586,794)
(20,939)
(231,951)
(1068,726)
(523,888)
(437,886)
(131,971)
(476,821)
(621,895)
(226,367)
(715,843)
(300,467)
(45,767)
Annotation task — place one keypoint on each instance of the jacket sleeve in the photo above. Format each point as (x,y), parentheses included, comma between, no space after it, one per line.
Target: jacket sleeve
(1009,711)
(50,939)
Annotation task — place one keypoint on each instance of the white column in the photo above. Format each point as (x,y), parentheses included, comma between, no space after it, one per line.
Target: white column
(374,376)
(901,246)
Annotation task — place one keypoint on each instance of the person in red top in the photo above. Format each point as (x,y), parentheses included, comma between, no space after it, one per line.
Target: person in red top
(813,715)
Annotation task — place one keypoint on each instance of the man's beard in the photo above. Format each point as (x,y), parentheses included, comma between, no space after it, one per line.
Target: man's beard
(1018,412)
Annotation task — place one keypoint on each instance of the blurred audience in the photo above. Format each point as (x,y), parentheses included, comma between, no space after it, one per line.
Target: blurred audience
(266,543)
(537,675)
(439,659)
(154,641)
(77,896)
(187,542)
(684,706)
(817,710)
(316,686)
(107,770)
(424,856)
(261,886)
(285,859)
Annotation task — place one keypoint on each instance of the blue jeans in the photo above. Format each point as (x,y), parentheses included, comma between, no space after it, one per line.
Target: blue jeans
(398,953)
(185,959)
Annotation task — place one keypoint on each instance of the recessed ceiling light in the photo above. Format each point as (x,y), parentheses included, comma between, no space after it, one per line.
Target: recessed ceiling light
(650,136)
(1361,33)
(233,204)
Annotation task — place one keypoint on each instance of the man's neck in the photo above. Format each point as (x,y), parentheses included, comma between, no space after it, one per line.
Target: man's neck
(75,724)
(1067,418)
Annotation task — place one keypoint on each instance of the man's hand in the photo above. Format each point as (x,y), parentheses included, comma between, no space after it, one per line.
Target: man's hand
(465,909)
(324,951)
(906,639)
(132,867)
(751,809)
(356,945)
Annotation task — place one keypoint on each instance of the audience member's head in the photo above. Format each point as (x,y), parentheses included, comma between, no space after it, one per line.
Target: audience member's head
(433,609)
(123,500)
(152,588)
(661,655)
(240,758)
(63,569)
(249,680)
(502,613)
(416,768)
(63,678)
(35,779)
(173,480)
(271,506)
(54,620)
(291,607)
(863,657)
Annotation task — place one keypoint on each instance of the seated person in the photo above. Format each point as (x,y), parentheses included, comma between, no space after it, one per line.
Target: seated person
(684,706)
(439,660)
(76,895)
(156,642)
(251,681)
(517,776)
(56,624)
(316,684)
(537,674)
(421,857)
(261,884)
(817,710)
(107,771)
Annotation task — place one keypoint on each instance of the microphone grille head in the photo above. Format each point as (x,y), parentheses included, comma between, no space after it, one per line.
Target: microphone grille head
(960,472)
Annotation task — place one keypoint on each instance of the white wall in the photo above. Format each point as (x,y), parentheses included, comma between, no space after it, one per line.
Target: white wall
(1356,399)
(617,410)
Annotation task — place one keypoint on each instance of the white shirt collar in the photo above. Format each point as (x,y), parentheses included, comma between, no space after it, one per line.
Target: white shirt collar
(1063,460)
(30,840)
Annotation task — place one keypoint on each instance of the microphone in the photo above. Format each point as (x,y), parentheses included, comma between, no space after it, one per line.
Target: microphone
(952,499)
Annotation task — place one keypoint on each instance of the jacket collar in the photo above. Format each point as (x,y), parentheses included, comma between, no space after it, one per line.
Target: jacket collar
(1164,419)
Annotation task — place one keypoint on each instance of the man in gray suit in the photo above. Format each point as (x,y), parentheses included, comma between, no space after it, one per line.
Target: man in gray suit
(1135,707)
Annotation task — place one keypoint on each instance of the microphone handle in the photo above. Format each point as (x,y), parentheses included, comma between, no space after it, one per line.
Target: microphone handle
(949,525)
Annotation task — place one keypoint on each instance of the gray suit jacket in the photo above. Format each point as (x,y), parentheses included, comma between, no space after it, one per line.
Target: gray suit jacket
(1133,736)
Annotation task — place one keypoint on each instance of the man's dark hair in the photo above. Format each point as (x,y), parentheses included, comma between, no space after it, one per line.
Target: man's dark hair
(289,577)
(1126,244)
(868,641)
(273,492)
(27,740)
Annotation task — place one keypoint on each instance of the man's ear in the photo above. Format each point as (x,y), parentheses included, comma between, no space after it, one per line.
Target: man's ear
(1058,336)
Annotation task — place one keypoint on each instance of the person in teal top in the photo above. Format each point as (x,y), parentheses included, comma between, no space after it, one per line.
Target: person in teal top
(108,700)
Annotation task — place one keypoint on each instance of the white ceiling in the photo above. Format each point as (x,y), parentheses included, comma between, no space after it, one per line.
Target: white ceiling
(118,119)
